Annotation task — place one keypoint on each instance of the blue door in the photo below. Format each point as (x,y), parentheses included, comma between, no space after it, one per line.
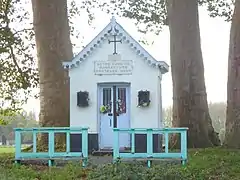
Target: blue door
(115,100)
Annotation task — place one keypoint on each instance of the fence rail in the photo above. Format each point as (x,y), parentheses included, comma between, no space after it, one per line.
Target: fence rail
(150,155)
(51,155)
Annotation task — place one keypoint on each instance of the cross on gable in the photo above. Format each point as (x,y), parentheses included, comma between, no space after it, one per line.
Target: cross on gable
(115,41)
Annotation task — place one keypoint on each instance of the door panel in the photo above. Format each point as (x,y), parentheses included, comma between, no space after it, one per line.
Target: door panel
(106,119)
(116,97)
(123,120)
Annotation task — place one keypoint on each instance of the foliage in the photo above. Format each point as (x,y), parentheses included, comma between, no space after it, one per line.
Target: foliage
(203,164)
(218,115)
(151,16)
(217,112)
(167,116)
(7,112)
(219,8)
(23,119)
(17,47)
(17,64)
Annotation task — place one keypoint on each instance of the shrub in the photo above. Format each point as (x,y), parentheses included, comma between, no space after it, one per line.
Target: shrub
(204,164)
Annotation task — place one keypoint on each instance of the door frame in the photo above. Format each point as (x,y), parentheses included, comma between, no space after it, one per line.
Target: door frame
(111,84)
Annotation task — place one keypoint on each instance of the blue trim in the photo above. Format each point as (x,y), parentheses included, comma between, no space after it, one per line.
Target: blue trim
(51,154)
(149,155)
(101,85)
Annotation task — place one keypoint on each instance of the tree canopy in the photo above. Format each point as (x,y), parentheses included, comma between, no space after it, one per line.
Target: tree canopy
(18,66)
(19,73)
(18,70)
(151,16)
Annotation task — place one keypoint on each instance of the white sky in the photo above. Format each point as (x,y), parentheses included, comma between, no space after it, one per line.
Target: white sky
(214,39)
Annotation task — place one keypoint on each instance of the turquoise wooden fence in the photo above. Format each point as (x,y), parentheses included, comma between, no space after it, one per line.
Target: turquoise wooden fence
(149,155)
(51,155)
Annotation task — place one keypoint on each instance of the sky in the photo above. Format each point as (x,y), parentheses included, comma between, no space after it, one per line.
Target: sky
(214,42)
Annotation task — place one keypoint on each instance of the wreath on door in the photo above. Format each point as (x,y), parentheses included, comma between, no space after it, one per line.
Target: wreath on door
(121,106)
(105,108)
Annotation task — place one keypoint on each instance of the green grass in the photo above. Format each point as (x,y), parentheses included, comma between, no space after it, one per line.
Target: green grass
(204,164)
(7,149)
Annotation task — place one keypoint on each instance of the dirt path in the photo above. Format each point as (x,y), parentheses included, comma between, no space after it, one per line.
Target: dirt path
(93,160)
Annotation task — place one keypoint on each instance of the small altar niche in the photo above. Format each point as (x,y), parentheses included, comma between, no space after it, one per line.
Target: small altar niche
(82,99)
(143,98)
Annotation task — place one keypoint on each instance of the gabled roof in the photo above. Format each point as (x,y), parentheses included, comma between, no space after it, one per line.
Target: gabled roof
(113,28)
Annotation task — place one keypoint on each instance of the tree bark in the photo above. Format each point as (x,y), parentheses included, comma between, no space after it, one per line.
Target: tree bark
(190,107)
(53,43)
(233,86)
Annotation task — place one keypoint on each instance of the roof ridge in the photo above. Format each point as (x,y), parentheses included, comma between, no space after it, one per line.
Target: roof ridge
(114,28)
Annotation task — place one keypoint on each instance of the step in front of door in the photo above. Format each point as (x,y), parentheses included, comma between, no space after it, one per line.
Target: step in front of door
(108,151)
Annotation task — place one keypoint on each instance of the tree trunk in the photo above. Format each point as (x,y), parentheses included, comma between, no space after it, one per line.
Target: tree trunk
(233,87)
(53,46)
(190,107)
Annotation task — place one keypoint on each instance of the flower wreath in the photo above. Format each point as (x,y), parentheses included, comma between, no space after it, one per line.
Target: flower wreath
(105,108)
(121,106)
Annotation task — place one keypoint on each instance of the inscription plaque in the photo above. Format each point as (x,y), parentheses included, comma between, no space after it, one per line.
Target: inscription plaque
(123,67)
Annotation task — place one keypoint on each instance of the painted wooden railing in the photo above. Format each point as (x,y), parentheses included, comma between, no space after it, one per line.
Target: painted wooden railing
(150,155)
(51,155)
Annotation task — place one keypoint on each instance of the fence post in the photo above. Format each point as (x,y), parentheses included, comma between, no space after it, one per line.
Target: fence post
(17,145)
(85,146)
(132,141)
(184,146)
(166,142)
(51,147)
(68,141)
(149,145)
(34,141)
(115,144)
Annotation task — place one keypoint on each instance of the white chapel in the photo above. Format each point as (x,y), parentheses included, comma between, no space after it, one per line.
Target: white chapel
(114,83)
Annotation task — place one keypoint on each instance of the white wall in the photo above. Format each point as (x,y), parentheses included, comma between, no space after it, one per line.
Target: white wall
(143,77)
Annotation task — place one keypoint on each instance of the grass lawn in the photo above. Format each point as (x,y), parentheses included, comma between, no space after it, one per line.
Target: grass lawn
(204,164)
(7,149)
